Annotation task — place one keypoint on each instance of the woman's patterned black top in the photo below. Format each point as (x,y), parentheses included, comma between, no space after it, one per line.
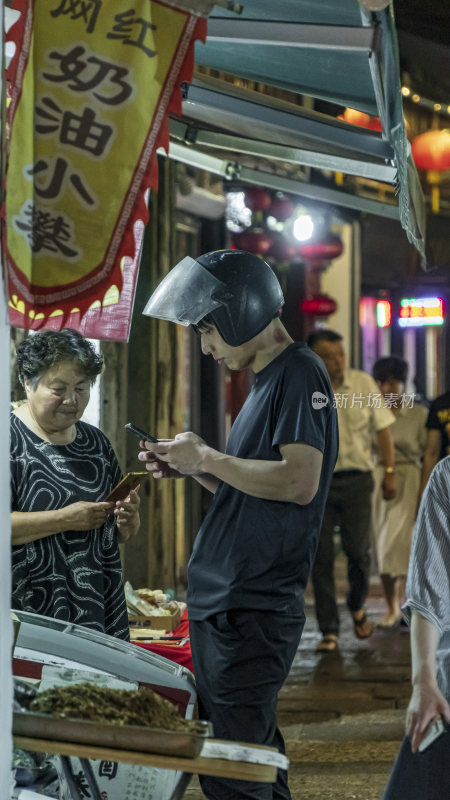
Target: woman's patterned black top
(74,575)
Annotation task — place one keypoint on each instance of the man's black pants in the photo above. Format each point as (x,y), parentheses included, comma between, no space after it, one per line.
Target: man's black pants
(349,506)
(241,660)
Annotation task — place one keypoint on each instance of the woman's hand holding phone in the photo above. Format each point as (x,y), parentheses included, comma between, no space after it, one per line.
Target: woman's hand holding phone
(127,515)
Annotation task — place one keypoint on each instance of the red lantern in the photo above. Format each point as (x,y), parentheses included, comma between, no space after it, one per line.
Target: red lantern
(319,305)
(281,208)
(257,242)
(330,247)
(431,151)
(355,117)
(257,199)
(375,124)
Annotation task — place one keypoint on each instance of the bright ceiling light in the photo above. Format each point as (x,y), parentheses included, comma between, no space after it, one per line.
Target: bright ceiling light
(303,228)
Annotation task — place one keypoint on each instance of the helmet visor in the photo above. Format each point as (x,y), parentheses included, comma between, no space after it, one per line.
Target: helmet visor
(185,295)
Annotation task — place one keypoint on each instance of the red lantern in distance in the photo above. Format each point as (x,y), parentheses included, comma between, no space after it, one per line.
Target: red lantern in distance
(355,117)
(281,208)
(319,305)
(375,124)
(431,151)
(328,248)
(256,242)
(257,199)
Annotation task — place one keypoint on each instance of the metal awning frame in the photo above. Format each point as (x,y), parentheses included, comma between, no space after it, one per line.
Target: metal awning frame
(199,101)
(232,171)
(292,34)
(193,135)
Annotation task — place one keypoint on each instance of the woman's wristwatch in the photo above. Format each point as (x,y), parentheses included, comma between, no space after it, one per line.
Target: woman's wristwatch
(389,470)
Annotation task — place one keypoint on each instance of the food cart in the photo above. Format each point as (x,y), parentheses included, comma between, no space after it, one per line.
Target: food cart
(100,760)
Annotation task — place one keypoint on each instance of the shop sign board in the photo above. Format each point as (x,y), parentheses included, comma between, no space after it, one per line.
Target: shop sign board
(416,312)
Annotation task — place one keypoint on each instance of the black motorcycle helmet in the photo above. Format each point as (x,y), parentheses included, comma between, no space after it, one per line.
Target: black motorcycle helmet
(249,295)
(236,291)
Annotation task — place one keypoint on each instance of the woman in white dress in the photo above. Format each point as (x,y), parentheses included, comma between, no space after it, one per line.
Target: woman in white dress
(393,520)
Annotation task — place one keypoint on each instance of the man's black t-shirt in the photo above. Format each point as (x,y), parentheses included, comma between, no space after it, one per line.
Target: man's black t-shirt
(255,553)
(439,419)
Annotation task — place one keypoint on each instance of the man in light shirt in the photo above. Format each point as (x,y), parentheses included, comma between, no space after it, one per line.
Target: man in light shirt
(361,415)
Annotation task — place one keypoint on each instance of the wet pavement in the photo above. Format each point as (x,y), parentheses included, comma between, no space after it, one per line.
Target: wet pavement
(342,713)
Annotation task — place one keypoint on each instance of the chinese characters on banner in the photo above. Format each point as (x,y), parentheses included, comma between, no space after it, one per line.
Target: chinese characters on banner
(91,87)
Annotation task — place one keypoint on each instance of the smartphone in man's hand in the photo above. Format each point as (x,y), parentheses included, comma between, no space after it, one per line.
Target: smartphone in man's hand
(141,434)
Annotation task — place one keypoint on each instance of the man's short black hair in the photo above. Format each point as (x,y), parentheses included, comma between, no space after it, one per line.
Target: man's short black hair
(322,336)
(208,322)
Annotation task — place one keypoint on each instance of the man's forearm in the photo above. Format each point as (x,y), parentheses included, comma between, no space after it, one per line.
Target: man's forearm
(269,480)
(207,481)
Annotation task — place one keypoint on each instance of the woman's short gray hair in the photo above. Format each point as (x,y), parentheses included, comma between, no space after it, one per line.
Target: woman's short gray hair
(37,353)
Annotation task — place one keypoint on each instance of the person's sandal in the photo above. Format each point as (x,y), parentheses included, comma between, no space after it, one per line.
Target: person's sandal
(328,644)
(363,627)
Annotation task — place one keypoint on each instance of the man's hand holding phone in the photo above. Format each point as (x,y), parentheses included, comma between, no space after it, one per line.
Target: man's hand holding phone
(159,469)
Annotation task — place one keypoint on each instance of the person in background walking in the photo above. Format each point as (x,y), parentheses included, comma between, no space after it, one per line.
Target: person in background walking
(393,520)
(361,415)
(438,437)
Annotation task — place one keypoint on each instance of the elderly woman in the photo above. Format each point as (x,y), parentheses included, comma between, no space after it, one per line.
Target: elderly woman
(393,520)
(65,536)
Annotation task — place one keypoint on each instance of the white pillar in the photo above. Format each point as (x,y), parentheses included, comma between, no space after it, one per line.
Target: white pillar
(342,281)
(5,538)
(409,354)
(5,556)
(431,361)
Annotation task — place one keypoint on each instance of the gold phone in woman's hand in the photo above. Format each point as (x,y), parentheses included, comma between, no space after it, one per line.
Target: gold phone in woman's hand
(131,481)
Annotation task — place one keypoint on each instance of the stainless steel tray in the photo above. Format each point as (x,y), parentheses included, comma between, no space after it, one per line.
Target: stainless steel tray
(185,744)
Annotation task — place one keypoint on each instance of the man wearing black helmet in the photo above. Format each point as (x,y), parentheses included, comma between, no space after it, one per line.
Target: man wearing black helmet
(254,551)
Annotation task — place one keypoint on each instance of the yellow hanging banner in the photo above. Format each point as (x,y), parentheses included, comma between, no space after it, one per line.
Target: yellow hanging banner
(92,86)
